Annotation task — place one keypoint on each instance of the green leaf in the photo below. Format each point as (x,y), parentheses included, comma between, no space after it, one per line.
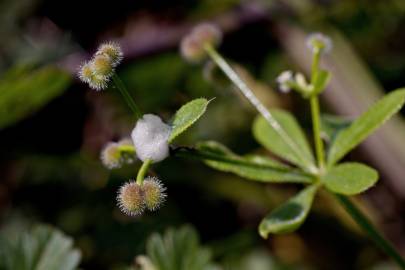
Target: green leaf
(331,126)
(275,143)
(187,115)
(321,80)
(42,248)
(178,249)
(24,91)
(366,124)
(253,167)
(290,215)
(350,178)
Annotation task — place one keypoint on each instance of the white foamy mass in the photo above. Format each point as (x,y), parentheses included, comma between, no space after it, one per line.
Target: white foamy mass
(150,137)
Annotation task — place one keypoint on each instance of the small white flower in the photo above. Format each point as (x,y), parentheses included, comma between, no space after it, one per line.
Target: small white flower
(284,79)
(150,137)
(319,41)
(301,81)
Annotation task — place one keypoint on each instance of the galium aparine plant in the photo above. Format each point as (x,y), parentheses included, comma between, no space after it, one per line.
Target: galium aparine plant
(277,130)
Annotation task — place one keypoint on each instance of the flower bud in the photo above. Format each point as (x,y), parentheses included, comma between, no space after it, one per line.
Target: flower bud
(319,42)
(130,199)
(192,45)
(150,137)
(301,81)
(112,51)
(154,193)
(111,156)
(284,79)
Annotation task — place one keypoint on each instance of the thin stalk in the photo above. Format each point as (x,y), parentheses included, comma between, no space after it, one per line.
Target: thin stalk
(127,97)
(142,171)
(247,92)
(368,227)
(316,126)
(315,64)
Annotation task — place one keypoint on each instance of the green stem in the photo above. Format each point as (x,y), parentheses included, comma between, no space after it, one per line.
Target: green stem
(316,125)
(127,97)
(142,171)
(367,226)
(315,65)
(247,92)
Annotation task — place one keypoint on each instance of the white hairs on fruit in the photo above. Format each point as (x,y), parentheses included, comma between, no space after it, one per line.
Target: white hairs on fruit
(150,137)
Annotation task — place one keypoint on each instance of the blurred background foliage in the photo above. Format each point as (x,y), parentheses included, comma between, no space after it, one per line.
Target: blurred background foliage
(52,128)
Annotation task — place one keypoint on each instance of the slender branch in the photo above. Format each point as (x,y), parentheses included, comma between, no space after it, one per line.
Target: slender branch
(247,92)
(127,97)
(142,171)
(367,226)
(316,125)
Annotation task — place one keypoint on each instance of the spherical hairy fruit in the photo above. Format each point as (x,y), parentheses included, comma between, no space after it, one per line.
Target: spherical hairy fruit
(130,199)
(112,51)
(207,33)
(102,66)
(111,156)
(154,193)
(100,69)
(86,72)
(192,45)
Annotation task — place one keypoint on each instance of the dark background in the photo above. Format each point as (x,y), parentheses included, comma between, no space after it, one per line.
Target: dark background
(52,133)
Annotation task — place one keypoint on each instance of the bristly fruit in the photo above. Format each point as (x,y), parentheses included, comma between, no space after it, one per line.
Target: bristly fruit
(154,193)
(130,199)
(192,46)
(98,72)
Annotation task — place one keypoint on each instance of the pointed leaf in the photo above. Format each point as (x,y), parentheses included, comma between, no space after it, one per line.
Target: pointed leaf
(350,178)
(187,115)
(275,143)
(253,167)
(366,124)
(289,216)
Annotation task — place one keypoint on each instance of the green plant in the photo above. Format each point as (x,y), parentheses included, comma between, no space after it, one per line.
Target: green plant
(40,248)
(279,132)
(177,249)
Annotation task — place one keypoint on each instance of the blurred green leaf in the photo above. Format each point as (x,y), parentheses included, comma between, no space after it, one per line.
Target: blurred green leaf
(332,125)
(350,178)
(275,143)
(253,167)
(366,124)
(24,91)
(290,215)
(178,250)
(42,248)
(187,115)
